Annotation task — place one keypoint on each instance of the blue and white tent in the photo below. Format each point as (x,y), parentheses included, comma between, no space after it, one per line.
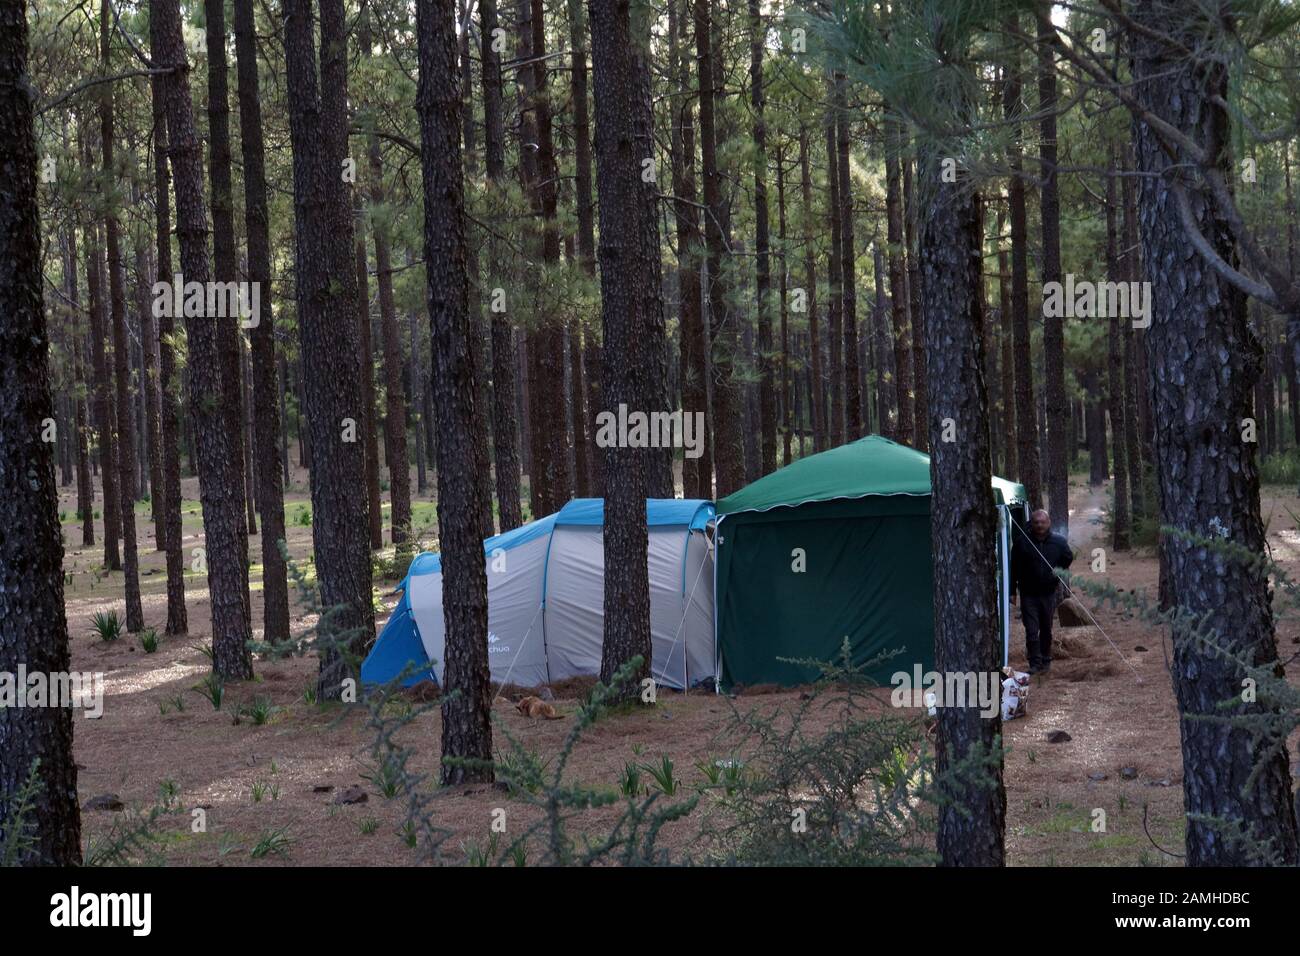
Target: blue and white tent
(546,599)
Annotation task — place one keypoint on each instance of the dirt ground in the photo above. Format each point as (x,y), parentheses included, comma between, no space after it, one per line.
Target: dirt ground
(275,786)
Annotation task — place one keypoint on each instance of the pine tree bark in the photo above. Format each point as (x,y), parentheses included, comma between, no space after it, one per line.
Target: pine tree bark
(1204,361)
(505,432)
(466,724)
(477,345)
(1026,407)
(33,625)
(1136,388)
(963,521)
(899,296)
(169,386)
(886,380)
(224,261)
(105,427)
(631,317)
(1009,442)
(835,328)
(1117,378)
(148,379)
(1058,407)
(125,441)
(817,408)
(398,459)
(697,473)
(762,247)
(551,480)
(374,496)
(728,400)
(265,381)
(920,380)
(327,328)
(848,272)
(220,483)
(80,389)
(584,432)
(786,395)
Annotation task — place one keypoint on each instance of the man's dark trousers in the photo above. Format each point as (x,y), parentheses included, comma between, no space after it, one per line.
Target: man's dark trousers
(1037,611)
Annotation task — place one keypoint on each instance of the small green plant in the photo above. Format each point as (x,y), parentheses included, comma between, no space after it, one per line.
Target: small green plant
(476,855)
(211,689)
(261,790)
(663,775)
(168,791)
(712,772)
(17,839)
(629,781)
(275,841)
(368,826)
(302,517)
(149,640)
(309,694)
(206,651)
(387,779)
(259,711)
(107,625)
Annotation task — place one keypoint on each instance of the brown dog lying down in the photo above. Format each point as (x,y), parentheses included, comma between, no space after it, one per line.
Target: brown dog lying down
(536,707)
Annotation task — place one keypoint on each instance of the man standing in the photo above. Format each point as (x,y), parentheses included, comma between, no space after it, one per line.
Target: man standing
(1035,556)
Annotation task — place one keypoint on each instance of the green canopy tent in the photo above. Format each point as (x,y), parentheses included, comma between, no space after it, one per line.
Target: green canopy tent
(836,545)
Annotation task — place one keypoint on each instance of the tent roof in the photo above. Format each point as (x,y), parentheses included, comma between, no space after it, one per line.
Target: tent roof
(690,512)
(869,466)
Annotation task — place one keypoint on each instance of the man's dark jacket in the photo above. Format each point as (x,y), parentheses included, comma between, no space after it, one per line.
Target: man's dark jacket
(1030,574)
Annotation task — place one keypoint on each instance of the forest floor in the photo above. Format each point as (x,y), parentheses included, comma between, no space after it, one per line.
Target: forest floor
(271,792)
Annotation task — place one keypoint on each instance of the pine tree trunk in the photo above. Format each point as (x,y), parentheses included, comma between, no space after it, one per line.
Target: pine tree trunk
(374,496)
(1121,517)
(1204,360)
(632,320)
(1008,416)
(550,480)
(220,483)
(327,329)
(169,386)
(886,379)
(786,396)
(585,451)
(762,247)
(848,275)
(266,382)
(836,258)
(899,295)
(963,520)
(477,346)
(816,408)
(398,460)
(504,423)
(224,263)
(104,401)
(920,380)
(466,724)
(697,473)
(85,488)
(728,402)
(33,626)
(1026,407)
(125,443)
(1058,408)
